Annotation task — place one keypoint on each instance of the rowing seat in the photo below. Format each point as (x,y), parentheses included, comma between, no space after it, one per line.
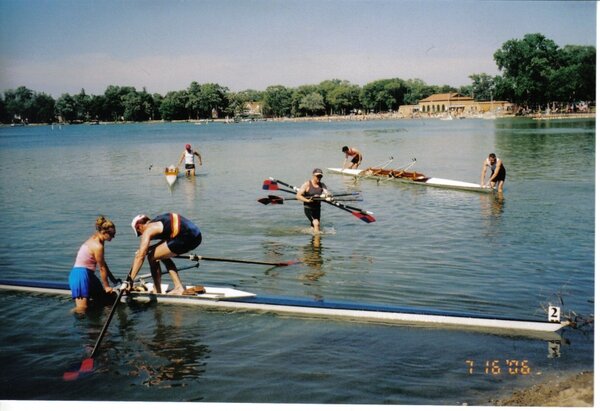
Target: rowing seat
(194,289)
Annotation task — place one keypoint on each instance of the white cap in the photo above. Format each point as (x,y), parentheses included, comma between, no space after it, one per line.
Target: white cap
(136,220)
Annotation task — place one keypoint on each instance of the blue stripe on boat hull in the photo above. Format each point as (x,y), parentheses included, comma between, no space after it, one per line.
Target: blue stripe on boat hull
(297,302)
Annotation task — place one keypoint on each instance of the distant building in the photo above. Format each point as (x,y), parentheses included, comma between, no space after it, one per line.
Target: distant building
(454,104)
(252,108)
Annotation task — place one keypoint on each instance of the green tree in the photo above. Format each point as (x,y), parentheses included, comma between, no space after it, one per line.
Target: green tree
(482,87)
(277,101)
(82,106)
(340,96)
(137,106)
(383,95)
(529,65)
(173,106)
(66,108)
(313,104)
(417,90)
(44,108)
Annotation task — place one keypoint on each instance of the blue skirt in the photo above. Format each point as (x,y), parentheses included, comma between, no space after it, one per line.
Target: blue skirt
(84,284)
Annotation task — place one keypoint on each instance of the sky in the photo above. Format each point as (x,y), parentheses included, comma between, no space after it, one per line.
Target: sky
(63,46)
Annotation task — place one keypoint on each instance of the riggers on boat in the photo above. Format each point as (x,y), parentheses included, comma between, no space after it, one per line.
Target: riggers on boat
(237,300)
(411,177)
(390,173)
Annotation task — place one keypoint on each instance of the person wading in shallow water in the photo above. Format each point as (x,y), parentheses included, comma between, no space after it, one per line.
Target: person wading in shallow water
(84,284)
(188,155)
(178,234)
(354,155)
(312,208)
(498,172)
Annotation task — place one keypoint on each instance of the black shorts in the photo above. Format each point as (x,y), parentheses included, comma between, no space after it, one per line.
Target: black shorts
(184,242)
(190,166)
(312,213)
(501,176)
(355,159)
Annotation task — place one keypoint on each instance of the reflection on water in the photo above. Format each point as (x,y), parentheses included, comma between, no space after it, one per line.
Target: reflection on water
(167,354)
(313,259)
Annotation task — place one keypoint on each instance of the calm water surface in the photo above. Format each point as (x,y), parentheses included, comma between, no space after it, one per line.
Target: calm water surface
(462,251)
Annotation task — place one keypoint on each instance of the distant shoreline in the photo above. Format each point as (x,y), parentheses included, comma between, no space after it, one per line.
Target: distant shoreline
(323,119)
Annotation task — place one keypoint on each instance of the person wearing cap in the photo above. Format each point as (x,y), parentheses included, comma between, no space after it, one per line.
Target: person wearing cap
(188,155)
(307,192)
(84,284)
(354,155)
(178,235)
(498,172)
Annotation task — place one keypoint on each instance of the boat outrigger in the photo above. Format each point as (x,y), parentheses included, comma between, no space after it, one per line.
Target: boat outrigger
(411,177)
(233,299)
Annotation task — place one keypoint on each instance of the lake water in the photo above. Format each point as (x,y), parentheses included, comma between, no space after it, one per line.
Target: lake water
(461,251)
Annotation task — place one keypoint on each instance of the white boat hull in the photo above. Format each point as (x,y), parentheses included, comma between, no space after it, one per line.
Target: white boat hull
(233,299)
(171,174)
(431,181)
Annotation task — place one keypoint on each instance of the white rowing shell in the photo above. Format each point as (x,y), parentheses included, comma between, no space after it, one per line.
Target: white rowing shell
(432,181)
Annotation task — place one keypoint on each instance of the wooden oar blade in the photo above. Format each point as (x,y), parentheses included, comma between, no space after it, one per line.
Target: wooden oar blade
(367,218)
(270,185)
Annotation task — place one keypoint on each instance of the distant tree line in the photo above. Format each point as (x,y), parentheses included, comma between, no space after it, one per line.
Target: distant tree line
(534,73)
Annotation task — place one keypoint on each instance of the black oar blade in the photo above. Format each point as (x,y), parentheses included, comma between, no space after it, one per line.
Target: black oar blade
(270,185)
(271,200)
(367,218)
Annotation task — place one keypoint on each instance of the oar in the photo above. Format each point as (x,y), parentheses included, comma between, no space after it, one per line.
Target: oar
(87,365)
(271,184)
(363,215)
(195,257)
(279,200)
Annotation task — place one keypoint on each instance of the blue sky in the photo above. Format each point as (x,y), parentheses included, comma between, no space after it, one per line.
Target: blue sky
(62,46)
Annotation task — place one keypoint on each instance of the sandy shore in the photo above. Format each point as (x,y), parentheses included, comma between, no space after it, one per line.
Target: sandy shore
(573,390)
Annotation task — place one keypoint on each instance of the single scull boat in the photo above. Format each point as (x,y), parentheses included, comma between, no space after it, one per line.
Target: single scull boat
(233,299)
(411,177)
(171,174)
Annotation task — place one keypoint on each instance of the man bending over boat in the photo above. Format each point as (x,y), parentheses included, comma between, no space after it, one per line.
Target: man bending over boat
(82,281)
(354,155)
(188,155)
(498,172)
(309,190)
(178,235)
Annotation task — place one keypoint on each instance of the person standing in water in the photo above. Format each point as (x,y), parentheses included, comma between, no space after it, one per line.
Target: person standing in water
(84,284)
(307,192)
(188,156)
(354,155)
(178,234)
(498,172)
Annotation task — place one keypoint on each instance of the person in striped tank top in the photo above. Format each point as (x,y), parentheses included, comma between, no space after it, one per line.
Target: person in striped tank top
(177,235)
